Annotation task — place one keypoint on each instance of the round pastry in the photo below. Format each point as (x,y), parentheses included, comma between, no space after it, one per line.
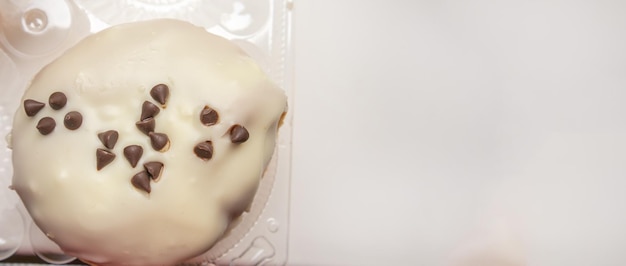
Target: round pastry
(141,144)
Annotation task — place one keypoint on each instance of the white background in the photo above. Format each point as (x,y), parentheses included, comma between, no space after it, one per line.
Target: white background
(459,133)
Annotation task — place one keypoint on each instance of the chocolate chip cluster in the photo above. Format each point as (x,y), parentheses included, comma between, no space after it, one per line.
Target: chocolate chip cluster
(209,117)
(159,141)
(57,100)
(146,124)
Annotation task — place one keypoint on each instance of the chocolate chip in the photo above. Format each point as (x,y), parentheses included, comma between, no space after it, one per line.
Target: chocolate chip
(148,109)
(154,169)
(141,181)
(204,150)
(32,107)
(73,120)
(46,125)
(146,126)
(103,158)
(238,134)
(159,141)
(133,154)
(108,138)
(208,116)
(57,100)
(160,93)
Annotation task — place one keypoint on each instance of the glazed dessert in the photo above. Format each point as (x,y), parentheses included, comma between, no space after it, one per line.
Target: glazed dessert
(144,142)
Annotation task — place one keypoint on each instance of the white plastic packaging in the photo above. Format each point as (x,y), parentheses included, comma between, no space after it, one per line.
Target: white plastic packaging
(35,32)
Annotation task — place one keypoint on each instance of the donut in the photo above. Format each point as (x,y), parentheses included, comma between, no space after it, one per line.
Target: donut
(141,144)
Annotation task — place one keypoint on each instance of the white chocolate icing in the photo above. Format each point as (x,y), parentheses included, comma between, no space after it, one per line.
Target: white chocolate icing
(99,216)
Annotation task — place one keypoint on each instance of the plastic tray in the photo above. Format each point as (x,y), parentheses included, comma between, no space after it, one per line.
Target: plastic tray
(33,33)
